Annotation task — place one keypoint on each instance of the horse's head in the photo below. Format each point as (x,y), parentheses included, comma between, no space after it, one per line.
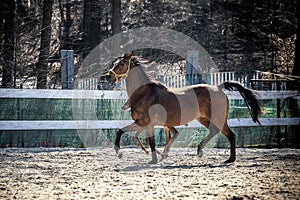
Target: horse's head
(120,68)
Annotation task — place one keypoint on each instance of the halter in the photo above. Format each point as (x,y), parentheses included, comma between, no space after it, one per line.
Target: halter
(117,76)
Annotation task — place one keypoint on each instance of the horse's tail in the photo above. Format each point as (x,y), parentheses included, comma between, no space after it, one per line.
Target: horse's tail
(250,97)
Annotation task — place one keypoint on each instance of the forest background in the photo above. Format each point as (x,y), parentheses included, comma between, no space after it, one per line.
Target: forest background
(239,35)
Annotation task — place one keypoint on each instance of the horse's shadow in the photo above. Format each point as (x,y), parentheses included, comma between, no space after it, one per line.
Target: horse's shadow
(140,167)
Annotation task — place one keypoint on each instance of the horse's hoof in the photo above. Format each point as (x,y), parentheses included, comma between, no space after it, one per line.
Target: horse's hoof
(163,156)
(154,158)
(125,107)
(230,160)
(120,155)
(153,162)
(200,153)
(117,149)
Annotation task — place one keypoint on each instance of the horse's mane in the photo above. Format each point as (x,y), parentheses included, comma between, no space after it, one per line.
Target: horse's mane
(142,63)
(139,61)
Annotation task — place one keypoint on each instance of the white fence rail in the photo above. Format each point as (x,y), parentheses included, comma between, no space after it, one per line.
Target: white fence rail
(111,94)
(114,124)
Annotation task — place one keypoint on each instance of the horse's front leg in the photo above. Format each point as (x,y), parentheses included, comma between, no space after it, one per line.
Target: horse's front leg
(120,132)
(117,142)
(150,136)
(126,105)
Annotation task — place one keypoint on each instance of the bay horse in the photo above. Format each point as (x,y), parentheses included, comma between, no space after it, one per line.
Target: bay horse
(154,104)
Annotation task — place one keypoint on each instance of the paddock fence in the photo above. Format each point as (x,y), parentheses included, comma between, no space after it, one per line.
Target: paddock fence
(90,117)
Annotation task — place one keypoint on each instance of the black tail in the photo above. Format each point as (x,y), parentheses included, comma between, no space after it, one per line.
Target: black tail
(249,96)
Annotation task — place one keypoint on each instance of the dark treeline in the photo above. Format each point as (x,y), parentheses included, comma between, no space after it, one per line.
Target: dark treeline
(238,34)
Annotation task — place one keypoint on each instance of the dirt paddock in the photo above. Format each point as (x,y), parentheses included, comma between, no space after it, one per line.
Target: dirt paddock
(97,173)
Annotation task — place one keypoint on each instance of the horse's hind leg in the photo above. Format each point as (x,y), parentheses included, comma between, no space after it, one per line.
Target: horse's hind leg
(168,136)
(169,144)
(231,137)
(137,134)
(213,130)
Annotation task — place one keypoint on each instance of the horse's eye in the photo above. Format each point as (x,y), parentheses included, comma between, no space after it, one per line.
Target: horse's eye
(122,64)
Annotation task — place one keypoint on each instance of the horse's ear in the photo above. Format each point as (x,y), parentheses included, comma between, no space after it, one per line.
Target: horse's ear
(128,55)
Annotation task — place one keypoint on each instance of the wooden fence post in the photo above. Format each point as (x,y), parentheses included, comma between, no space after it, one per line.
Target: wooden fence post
(278,105)
(192,70)
(67,69)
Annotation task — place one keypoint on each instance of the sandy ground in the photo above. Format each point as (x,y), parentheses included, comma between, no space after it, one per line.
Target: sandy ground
(97,173)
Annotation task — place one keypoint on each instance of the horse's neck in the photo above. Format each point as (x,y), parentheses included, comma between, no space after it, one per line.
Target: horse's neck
(135,79)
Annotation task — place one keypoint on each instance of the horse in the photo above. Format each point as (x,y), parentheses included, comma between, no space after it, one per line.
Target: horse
(154,104)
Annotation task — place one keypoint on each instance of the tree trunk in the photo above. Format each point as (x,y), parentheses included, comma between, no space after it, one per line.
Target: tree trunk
(8,7)
(116,26)
(296,69)
(42,65)
(116,16)
(293,103)
(91,24)
(65,24)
